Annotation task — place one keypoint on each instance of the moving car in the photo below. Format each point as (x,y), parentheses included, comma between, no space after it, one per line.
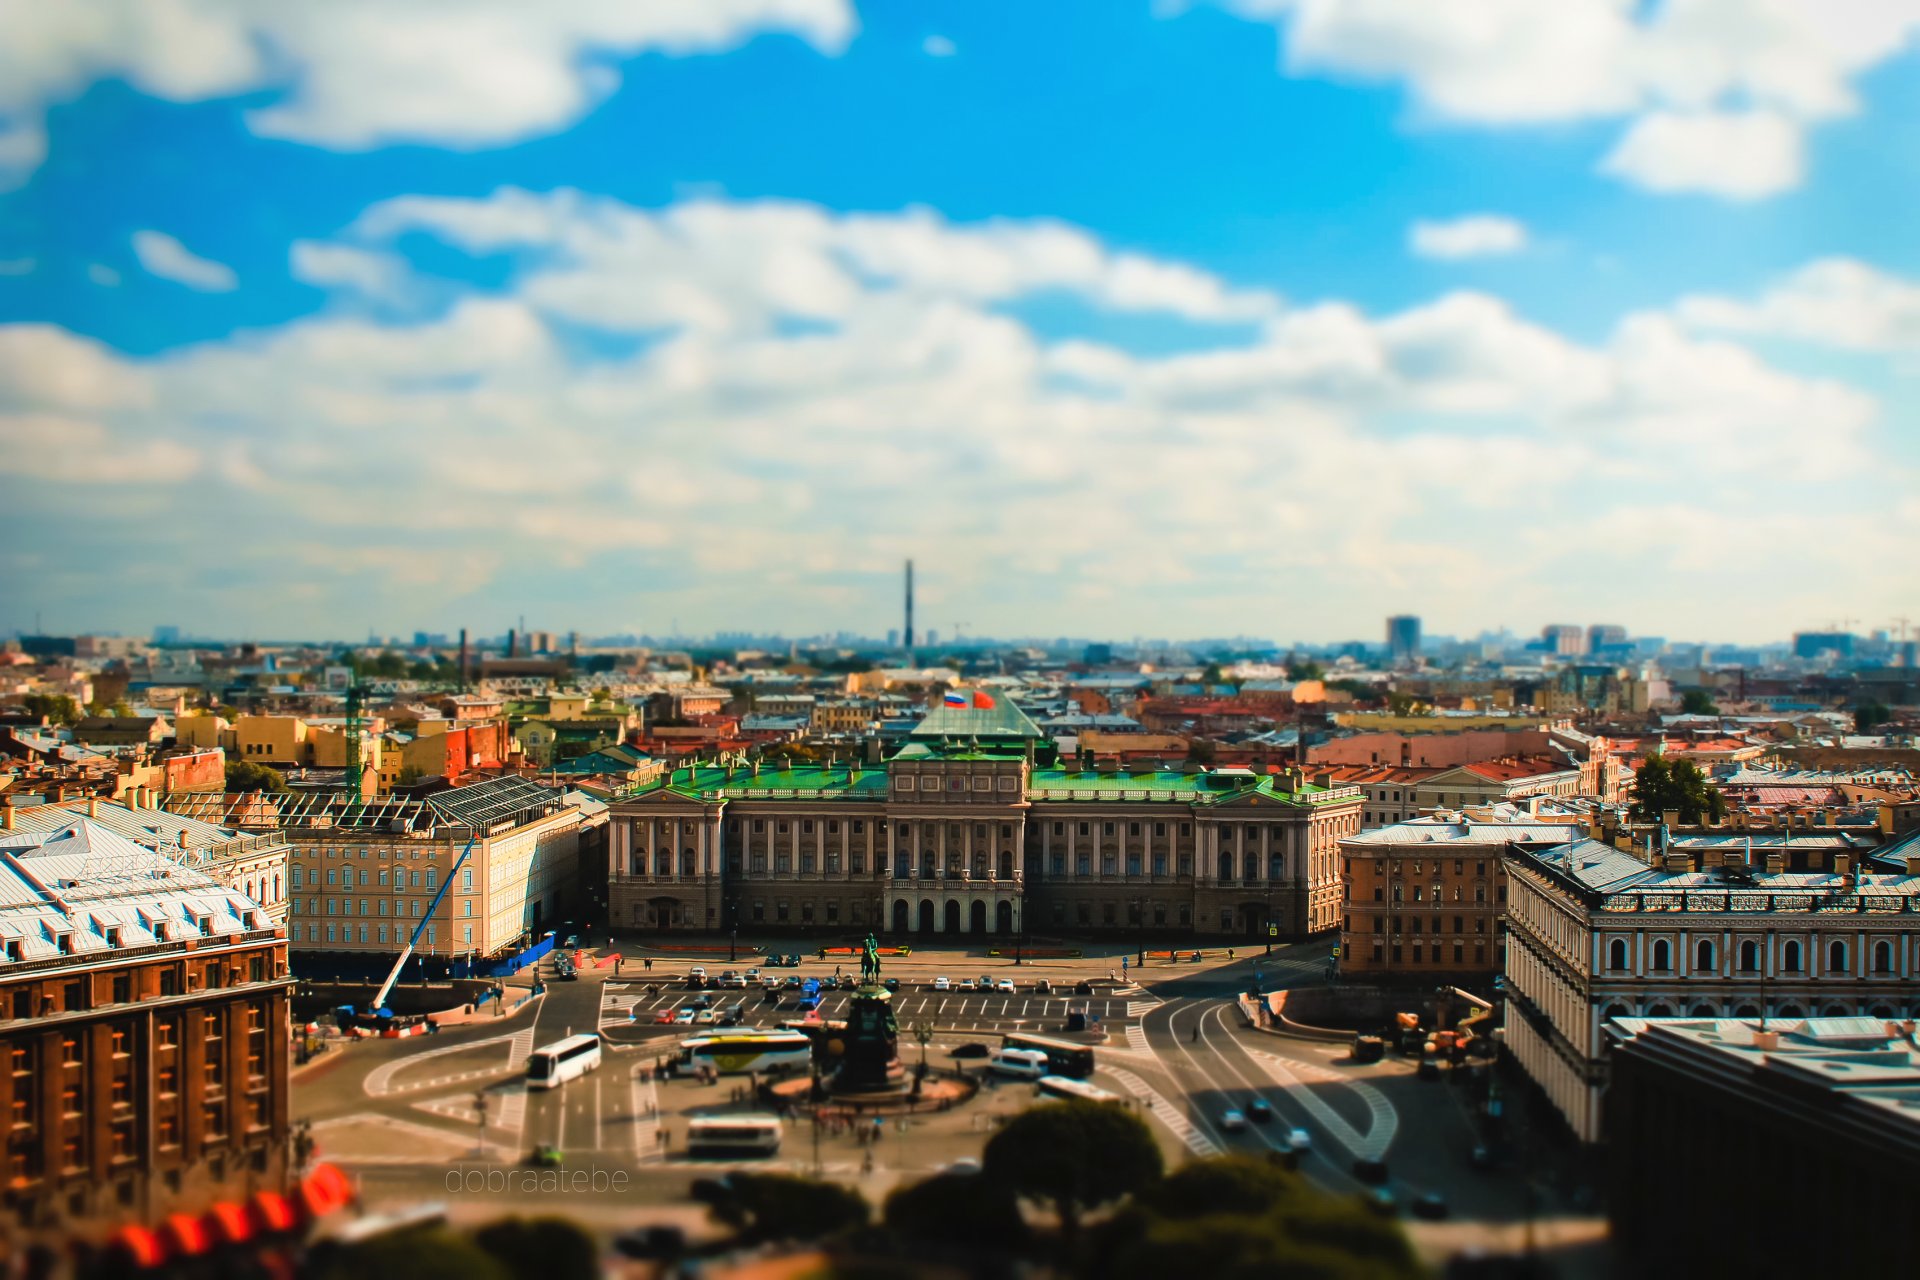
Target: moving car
(1299,1140)
(1022,1064)
(1382,1202)
(891,984)
(1232,1121)
(1373,1172)
(1259,1111)
(1432,1206)
(969,1051)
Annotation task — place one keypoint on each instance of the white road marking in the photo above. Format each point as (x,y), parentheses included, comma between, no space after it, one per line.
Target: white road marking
(1384,1122)
(378,1083)
(1166,1113)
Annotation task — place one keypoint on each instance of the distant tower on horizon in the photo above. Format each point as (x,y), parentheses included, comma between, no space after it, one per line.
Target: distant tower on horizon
(906,634)
(1403,637)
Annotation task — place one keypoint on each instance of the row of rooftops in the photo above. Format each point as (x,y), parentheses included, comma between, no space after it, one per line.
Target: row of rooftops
(1722,873)
(81,889)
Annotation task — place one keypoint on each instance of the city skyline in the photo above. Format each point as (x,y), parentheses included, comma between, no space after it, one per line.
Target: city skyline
(668,322)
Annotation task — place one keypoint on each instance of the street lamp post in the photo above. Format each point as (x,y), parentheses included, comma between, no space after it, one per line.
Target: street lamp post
(1269,927)
(1140,930)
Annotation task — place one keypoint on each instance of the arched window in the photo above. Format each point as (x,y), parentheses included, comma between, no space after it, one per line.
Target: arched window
(1703,1011)
(1837,956)
(1883,957)
(1617,954)
(1790,957)
(1659,1011)
(1616,1011)
(1703,956)
(1749,956)
(688,861)
(1662,955)
(663,863)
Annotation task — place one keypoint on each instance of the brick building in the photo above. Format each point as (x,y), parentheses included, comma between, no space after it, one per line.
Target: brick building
(143,1028)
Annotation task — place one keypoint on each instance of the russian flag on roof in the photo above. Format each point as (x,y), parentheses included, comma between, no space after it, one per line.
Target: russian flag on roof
(955,698)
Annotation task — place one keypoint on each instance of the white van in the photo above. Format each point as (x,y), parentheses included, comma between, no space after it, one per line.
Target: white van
(1022,1064)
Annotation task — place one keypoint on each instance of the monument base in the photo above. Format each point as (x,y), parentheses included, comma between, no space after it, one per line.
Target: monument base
(871,1063)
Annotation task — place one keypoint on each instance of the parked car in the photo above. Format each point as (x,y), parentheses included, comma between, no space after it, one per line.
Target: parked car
(964,1165)
(966,985)
(1259,1111)
(664,1018)
(847,982)
(731,1017)
(891,984)
(685,1017)
(1083,988)
(1232,1121)
(695,982)
(969,1051)
(706,1018)
(753,975)
(792,983)
(1005,986)
(985,983)
(698,971)
(1042,987)
(732,981)
(941,984)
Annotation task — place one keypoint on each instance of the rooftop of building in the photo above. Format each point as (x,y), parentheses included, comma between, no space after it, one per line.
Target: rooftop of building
(1603,870)
(488,807)
(1002,722)
(82,889)
(1490,829)
(1869,1064)
(1513,768)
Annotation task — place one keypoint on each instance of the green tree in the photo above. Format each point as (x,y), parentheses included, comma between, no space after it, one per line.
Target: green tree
(245,775)
(964,1209)
(1213,675)
(1307,670)
(1870,715)
(1201,751)
(417,1255)
(57,707)
(1075,1156)
(1698,702)
(777,1206)
(1661,786)
(549,1248)
(1240,1217)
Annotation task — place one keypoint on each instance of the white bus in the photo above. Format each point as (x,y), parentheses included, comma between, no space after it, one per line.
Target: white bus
(1067,1087)
(551,1066)
(734,1053)
(744,1135)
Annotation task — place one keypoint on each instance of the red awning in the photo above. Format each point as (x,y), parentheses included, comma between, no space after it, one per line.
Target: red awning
(273,1211)
(186,1234)
(144,1246)
(228,1223)
(324,1190)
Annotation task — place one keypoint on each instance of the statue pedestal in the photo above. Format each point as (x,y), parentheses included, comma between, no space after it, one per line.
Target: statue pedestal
(871,1060)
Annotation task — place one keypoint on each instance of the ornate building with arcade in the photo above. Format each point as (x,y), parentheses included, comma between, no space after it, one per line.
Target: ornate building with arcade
(974,827)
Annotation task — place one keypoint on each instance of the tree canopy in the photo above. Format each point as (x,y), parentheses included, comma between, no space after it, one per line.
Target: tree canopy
(1662,786)
(56,707)
(245,775)
(548,1248)
(1698,702)
(763,1207)
(1074,1155)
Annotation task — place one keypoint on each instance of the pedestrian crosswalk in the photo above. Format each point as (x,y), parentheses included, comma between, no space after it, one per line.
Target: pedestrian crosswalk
(1165,1112)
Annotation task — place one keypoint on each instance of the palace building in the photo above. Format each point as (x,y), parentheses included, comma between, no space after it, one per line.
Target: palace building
(971,827)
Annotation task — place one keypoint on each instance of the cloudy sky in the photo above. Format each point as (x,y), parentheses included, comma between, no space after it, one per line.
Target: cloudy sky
(1119,317)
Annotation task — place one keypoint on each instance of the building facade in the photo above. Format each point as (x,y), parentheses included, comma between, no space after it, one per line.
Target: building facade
(144,1028)
(1783,927)
(962,831)
(1424,899)
(1820,1111)
(362,877)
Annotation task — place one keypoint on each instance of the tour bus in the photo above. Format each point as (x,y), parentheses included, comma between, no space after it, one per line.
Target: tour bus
(551,1066)
(738,1135)
(1064,1058)
(1023,1064)
(1062,1087)
(740,1052)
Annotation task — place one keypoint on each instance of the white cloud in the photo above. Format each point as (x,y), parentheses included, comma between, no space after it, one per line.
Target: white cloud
(939,47)
(736,468)
(17,266)
(383,277)
(718,265)
(1752,74)
(103,275)
(1835,301)
(1481,235)
(1740,155)
(361,73)
(166,257)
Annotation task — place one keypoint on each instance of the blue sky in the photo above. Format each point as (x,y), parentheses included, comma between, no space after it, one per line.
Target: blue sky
(1262,316)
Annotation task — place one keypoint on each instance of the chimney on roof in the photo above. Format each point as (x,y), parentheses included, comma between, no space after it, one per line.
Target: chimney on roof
(93,806)
(6,815)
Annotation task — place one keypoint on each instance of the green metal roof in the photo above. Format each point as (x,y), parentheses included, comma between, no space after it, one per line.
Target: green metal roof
(1002,721)
(817,782)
